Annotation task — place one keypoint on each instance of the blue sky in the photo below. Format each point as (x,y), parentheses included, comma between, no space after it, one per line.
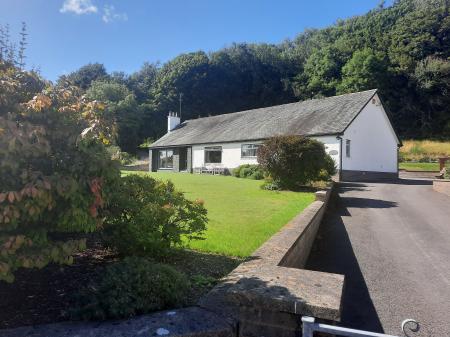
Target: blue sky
(122,34)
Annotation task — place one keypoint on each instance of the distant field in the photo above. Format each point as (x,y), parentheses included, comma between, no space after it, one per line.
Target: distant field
(415,150)
(419,166)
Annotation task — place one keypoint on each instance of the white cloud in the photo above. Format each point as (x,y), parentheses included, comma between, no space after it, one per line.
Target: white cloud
(110,14)
(78,7)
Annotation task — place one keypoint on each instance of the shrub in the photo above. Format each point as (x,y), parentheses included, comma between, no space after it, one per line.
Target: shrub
(147,217)
(447,173)
(270,185)
(55,175)
(249,171)
(131,287)
(295,160)
(116,154)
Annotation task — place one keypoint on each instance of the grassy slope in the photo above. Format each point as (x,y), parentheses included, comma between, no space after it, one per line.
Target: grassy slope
(241,215)
(419,166)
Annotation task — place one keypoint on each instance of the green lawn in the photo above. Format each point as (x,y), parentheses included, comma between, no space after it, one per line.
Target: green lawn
(419,166)
(241,215)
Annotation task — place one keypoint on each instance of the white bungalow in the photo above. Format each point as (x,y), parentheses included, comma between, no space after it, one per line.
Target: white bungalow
(355,129)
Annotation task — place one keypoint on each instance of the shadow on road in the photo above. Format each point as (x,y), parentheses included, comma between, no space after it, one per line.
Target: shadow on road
(332,252)
(411,182)
(348,187)
(366,203)
(359,186)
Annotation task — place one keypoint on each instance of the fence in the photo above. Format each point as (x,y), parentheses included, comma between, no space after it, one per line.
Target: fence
(310,326)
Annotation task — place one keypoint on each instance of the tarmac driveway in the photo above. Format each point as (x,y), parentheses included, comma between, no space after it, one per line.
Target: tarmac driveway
(392,242)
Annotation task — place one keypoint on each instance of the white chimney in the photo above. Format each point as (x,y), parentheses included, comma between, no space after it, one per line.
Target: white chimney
(172,121)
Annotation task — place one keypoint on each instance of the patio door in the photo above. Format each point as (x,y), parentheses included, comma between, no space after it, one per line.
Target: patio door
(183,158)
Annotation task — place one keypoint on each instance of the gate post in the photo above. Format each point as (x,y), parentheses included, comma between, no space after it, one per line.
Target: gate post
(307,328)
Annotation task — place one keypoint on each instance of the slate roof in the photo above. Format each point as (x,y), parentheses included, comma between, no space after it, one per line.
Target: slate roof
(324,116)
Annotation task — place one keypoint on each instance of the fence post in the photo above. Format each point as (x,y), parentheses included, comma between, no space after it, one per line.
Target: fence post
(307,328)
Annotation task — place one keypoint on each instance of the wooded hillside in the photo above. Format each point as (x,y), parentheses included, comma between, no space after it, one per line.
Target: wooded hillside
(403,50)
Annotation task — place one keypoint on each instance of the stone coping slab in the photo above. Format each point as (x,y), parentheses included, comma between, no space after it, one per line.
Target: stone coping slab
(442,186)
(296,291)
(186,322)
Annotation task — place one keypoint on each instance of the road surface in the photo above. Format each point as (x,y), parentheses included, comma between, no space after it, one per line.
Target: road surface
(392,242)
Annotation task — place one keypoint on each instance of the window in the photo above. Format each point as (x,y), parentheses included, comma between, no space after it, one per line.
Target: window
(165,159)
(213,155)
(347,147)
(249,150)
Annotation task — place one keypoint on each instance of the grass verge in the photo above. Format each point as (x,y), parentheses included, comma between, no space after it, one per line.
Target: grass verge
(409,166)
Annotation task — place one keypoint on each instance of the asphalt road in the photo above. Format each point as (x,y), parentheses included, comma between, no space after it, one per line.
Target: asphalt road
(392,242)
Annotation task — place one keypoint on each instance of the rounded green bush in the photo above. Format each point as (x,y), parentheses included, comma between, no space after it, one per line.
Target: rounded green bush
(293,161)
(245,172)
(131,287)
(249,171)
(148,217)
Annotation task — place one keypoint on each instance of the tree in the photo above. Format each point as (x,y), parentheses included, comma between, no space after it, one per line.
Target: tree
(55,174)
(22,46)
(141,82)
(122,108)
(293,161)
(84,76)
(322,73)
(432,76)
(365,70)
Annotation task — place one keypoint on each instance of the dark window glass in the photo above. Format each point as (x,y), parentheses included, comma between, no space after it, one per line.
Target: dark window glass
(347,147)
(166,159)
(249,150)
(213,155)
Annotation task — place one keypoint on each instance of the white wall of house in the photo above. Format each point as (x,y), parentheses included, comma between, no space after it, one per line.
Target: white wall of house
(231,152)
(373,143)
(231,155)
(332,147)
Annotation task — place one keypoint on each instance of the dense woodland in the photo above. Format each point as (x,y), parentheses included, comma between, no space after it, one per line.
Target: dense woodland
(403,50)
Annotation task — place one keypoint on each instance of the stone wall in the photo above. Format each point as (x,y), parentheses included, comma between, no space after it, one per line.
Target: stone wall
(442,186)
(268,294)
(189,159)
(186,322)
(139,167)
(176,160)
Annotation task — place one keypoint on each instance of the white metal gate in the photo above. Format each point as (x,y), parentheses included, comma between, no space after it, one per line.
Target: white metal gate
(310,326)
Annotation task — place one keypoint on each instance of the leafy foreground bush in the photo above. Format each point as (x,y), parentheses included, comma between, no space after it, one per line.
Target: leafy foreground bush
(293,161)
(249,171)
(131,287)
(147,217)
(55,175)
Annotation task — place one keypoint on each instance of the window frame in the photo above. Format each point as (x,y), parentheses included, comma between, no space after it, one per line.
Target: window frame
(250,144)
(208,149)
(160,166)
(348,148)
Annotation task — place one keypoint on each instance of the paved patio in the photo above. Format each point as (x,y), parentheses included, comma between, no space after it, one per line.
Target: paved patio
(392,241)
